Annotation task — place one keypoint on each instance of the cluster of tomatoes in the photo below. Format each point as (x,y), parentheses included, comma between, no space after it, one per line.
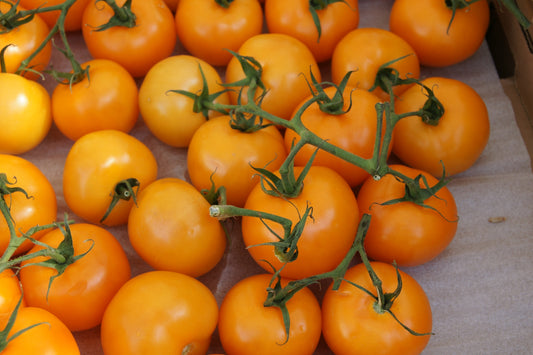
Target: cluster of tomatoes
(248,105)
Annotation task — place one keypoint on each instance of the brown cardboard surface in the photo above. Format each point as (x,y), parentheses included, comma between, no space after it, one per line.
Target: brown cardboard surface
(479,288)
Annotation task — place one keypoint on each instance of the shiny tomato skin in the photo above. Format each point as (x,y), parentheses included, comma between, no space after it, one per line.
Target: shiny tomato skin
(160,312)
(26,114)
(138,48)
(81,294)
(353,131)
(286,63)
(246,326)
(39,209)
(426,27)
(72,19)
(405,232)
(98,161)
(170,116)
(207,30)
(51,336)
(24,40)
(10,294)
(364,50)
(107,98)
(171,229)
(351,325)
(336,20)
(335,213)
(460,136)
(226,156)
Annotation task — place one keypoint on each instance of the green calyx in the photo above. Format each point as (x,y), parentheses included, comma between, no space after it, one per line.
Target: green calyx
(224,3)
(124,190)
(14,18)
(317,5)
(123,16)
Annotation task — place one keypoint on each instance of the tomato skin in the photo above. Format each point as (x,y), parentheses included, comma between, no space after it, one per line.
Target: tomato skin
(170,116)
(207,30)
(40,209)
(138,48)
(107,98)
(335,213)
(336,20)
(405,232)
(351,325)
(72,19)
(26,114)
(458,139)
(95,163)
(286,64)
(247,327)
(23,41)
(171,229)
(160,312)
(10,294)
(425,26)
(226,156)
(375,47)
(354,131)
(80,295)
(51,337)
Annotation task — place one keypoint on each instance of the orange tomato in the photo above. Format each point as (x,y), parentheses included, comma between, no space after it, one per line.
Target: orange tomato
(426,26)
(336,20)
(364,50)
(80,295)
(246,326)
(107,98)
(170,116)
(23,41)
(225,156)
(406,232)
(136,48)
(10,294)
(160,312)
(353,324)
(190,242)
(98,162)
(354,131)
(286,63)
(455,142)
(335,213)
(50,336)
(38,208)
(207,29)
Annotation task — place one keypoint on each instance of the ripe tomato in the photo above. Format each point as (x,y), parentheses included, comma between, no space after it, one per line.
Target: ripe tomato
(10,294)
(80,295)
(170,116)
(406,232)
(72,19)
(226,155)
(23,41)
(375,47)
(160,312)
(426,27)
(286,64)
(352,325)
(206,28)
(335,213)
(107,98)
(26,113)
(51,336)
(171,229)
(336,20)
(136,48)
(94,166)
(246,326)
(40,208)
(353,131)
(456,141)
